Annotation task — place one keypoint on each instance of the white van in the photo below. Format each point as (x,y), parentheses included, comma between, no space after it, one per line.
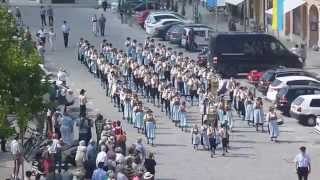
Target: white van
(306,108)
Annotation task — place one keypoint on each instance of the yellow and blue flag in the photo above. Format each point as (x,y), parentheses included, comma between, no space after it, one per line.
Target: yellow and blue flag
(277,15)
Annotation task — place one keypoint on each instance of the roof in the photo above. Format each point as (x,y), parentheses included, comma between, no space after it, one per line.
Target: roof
(302,86)
(310,96)
(291,78)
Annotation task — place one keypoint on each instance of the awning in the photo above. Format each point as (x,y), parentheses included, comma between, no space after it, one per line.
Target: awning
(234,2)
(288,6)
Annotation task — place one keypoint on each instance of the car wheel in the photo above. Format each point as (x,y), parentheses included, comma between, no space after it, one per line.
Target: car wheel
(311,121)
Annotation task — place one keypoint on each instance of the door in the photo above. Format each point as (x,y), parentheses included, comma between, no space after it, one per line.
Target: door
(314,107)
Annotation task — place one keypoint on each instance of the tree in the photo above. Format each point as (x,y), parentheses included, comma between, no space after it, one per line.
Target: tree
(21,78)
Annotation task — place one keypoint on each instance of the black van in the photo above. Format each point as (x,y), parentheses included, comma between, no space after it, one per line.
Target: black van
(233,53)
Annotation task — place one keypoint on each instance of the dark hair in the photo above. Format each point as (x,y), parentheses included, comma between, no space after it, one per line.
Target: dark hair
(82,91)
(28,174)
(100,164)
(303,148)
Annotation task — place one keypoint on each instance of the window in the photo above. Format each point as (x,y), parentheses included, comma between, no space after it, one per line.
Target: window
(276,48)
(298,82)
(315,103)
(298,101)
(201,33)
(314,83)
(276,82)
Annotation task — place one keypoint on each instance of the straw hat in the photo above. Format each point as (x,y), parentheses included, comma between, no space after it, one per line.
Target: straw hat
(147,175)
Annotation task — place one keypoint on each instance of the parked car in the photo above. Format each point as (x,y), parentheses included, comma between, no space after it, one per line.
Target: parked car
(202,34)
(254,76)
(306,108)
(270,75)
(151,29)
(280,82)
(155,17)
(162,31)
(141,16)
(287,94)
(143,6)
(233,53)
(174,34)
(317,127)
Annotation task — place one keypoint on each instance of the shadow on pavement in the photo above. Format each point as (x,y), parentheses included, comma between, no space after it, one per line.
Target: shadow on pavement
(170,145)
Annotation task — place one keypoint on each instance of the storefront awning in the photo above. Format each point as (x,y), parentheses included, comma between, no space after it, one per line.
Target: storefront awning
(288,6)
(234,2)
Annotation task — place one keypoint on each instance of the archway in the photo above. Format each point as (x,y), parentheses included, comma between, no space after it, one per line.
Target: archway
(313,26)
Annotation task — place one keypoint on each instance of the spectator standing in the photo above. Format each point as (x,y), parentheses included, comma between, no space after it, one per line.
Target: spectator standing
(17,156)
(42,35)
(303,164)
(65,31)
(150,164)
(303,52)
(81,155)
(102,24)
(295,50)
(43,16)
(3,144)
(19,16)
(55,152)
(50,15)
(91,156)
(102,157)
(99,174)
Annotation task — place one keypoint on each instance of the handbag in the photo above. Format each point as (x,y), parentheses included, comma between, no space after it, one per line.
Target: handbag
(280,121)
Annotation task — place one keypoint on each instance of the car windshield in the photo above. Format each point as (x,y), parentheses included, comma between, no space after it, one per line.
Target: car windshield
(267,76)
(276,82)
(298,101)
(282,91)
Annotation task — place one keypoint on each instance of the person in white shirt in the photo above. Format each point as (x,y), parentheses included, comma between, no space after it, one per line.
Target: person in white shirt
(102,156)
(303,164)
(55,151)
(65,30)
(83,101)
(52,38)
(42,35)
(62,76)
(17,156)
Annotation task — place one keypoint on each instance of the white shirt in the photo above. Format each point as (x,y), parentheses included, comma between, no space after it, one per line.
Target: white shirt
(61,76)
(65,28)
(41,33)
(15,147)
(303,160)
(54,146)
(101,157)
(83,100)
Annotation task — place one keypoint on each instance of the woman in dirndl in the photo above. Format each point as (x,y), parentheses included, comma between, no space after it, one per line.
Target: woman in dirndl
(249,110)
(204,136)
(273,126)
(150,126)
(221,111)
(183,115)
(195,137)
(138,114)
(175,109)
(127,107)
(258,114)
(228,116)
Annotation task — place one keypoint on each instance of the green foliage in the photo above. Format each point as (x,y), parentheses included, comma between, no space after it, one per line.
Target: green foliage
(21,86)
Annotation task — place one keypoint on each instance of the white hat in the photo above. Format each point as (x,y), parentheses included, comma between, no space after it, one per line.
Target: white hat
(147,175)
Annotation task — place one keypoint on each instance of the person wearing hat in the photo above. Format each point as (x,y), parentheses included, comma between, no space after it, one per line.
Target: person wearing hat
(83,102)
(272,124)
(150,125)
(148,176)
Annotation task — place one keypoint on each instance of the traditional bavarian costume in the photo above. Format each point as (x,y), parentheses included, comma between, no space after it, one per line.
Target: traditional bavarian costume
(150,126)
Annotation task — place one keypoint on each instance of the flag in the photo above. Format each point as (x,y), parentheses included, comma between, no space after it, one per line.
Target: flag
(277,15)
